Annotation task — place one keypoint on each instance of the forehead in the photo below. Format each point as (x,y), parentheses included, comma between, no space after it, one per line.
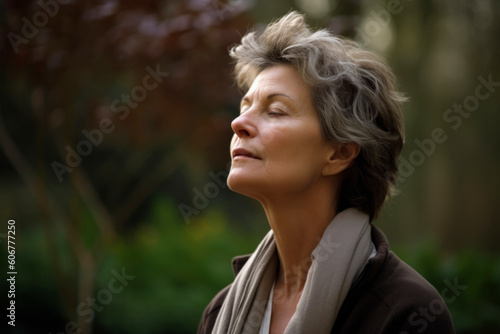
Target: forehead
(280,79)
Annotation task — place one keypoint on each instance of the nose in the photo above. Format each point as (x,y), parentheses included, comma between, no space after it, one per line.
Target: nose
(243,126)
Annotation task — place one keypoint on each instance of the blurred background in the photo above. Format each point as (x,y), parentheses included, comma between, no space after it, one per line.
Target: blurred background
(114,128)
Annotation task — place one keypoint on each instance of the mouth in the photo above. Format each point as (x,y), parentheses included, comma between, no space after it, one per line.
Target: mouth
(242,153)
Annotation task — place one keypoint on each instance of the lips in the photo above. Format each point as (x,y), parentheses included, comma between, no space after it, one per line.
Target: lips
(241,152)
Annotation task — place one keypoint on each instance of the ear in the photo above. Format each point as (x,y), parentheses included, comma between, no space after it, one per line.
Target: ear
(340,158)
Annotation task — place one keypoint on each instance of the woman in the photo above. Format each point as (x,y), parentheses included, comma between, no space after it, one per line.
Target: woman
(316,143)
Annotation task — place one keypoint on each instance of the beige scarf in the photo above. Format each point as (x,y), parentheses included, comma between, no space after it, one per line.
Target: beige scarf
(338,259)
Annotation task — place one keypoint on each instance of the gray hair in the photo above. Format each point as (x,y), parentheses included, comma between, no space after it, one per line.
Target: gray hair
(354,92)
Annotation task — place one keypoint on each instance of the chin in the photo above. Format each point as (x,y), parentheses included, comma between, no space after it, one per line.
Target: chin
(241,183)
(236,182)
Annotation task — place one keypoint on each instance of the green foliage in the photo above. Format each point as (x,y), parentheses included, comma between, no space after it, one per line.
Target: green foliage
(178,269)
(39,305)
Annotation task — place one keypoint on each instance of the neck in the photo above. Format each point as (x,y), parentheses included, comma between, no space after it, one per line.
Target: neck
(298,223)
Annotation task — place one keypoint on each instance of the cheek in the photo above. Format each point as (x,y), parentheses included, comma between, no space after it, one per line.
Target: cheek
(297,160)
(302,146)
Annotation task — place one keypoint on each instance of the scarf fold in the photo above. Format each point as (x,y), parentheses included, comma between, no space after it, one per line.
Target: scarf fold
(337,260)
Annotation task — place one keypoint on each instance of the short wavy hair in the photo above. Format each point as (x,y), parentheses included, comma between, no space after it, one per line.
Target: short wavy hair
(353,91)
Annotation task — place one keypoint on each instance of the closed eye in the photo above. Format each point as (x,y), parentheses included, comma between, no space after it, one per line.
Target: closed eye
(276,114)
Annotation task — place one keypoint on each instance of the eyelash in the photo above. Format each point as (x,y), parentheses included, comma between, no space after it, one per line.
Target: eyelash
(276,113)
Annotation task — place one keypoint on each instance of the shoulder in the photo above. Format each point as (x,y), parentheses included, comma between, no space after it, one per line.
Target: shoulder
(395,281)
(391,297)
(398,283)
(413,305)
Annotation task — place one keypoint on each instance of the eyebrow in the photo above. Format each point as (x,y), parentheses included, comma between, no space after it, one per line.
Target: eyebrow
(270,96)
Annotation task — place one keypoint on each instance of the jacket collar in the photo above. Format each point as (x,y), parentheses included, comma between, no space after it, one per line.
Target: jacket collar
(238,262)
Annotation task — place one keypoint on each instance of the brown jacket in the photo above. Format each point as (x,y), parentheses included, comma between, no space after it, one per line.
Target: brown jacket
(388,297)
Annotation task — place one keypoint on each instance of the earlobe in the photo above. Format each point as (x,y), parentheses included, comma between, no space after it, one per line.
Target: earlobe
(340,158)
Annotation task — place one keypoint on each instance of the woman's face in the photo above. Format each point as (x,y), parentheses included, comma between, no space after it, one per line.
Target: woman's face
(277,148)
